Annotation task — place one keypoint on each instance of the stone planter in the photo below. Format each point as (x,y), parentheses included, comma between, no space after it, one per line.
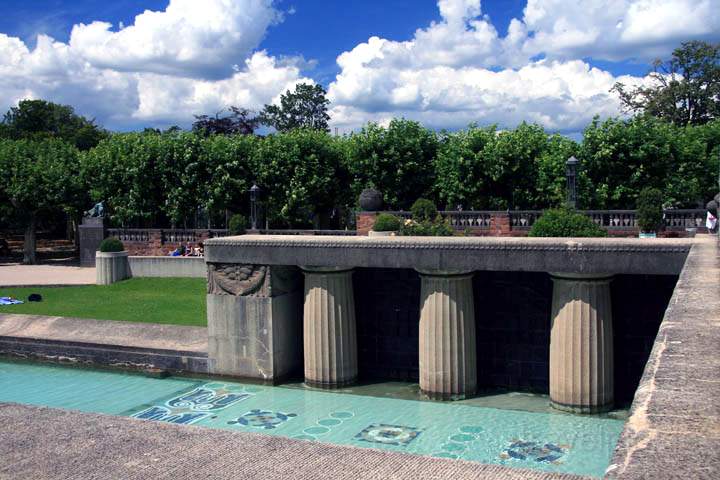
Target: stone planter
(111,267)
(373,233)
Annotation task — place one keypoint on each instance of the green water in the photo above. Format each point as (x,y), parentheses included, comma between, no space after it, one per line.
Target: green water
(553,442)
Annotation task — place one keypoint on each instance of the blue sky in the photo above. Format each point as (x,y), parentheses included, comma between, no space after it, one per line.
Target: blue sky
(445,63)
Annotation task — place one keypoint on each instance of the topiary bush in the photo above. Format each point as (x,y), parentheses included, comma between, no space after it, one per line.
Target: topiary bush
(565,223)
(237,224)
(424,210)
(649,210)
(387,222)
(112,244)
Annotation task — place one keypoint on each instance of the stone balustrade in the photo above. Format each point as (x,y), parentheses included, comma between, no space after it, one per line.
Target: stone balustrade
(263,291)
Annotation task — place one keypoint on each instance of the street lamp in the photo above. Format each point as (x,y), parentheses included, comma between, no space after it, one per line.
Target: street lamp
(571,168)
(254,192)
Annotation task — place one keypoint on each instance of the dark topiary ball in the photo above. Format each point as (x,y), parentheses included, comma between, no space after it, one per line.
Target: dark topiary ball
(371,200)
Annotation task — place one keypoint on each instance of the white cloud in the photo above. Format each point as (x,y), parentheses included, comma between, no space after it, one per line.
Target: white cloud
(149,73)
(617,29)
(189,38)
(460,70)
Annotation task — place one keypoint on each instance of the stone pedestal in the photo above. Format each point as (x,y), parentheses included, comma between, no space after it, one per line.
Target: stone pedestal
(581,343)
(448,365)
(329,332)
(111,267)
(254,320)
(92,233)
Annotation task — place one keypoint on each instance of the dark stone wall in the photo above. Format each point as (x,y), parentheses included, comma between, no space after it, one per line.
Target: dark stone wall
(512,312)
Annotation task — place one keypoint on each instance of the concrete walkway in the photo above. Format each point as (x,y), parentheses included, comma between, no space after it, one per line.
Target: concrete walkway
(43,443)
(15,275)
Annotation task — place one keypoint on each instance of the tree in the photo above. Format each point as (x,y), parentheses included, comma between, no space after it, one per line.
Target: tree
(38,119)
(686,88)
(305,108)
(239,121)
(38,177)
(397,160)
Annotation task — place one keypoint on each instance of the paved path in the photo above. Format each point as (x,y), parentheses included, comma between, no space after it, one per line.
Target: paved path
(674,427)
(37,275)
(105,332)
(43,443)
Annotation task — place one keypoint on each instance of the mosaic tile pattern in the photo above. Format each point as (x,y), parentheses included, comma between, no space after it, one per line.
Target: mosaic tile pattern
(324,425)
(388,434)
(262,419)
(195,405)
(459,442)
(535,451)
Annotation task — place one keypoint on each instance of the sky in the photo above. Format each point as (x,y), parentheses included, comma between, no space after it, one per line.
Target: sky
(131,64)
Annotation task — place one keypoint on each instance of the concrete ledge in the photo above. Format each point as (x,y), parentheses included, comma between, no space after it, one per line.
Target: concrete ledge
(168,267)
(565,255)
(46,443)
(106,343)
(674,427)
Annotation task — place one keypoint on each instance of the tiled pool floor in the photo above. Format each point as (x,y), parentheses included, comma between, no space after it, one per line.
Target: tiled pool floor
(540,440)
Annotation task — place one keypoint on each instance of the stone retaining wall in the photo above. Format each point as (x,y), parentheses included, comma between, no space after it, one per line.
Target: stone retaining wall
(168,267)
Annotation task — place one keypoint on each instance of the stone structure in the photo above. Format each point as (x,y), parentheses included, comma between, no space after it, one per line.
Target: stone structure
(581,343)
(329,330)
(111,267)
(92,233)
(448,367)
(253,320)
(253,325)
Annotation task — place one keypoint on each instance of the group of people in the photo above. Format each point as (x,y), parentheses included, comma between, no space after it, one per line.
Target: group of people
(188,251)
(711,221)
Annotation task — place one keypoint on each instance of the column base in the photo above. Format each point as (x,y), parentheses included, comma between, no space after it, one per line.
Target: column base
(581,408)
(331,386)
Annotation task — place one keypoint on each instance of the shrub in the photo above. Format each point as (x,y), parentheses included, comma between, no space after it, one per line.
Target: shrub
(426,228)
(386,222)
(649,210)
(423,210)
(111,244)
(237,224)
(565,223)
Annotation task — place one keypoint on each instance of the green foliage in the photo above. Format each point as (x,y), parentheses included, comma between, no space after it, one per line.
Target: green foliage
(237,224)
(111,244)
(386,222)
(423,210)
(397,160)
(427,228)
(565,223)
(686,89)
(649,210)
(481,168)
(39,119)
(306,107)
(621,157)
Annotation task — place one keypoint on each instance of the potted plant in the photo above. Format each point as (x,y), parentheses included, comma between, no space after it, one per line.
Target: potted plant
(649,212)
(111,262)
(386,225)
(426,221)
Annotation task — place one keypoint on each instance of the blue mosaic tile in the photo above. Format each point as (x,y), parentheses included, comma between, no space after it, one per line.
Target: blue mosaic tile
(262,419)
(195,405)
(535,451)
(388,434)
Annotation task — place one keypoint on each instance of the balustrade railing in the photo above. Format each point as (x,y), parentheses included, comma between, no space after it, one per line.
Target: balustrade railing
(130,234)
(680,219)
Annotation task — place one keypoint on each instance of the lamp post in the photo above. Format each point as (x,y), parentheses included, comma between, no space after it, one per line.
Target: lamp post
(571,167)
(254,192)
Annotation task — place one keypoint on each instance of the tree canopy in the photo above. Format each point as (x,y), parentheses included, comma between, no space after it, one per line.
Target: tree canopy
(38,119)
(686,88)
(306,107)
(238,121)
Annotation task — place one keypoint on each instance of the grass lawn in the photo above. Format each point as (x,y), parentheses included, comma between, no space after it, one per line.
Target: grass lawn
(179,301)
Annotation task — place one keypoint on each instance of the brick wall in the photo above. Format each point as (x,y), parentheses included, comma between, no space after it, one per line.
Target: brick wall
(364,222)
(157,246)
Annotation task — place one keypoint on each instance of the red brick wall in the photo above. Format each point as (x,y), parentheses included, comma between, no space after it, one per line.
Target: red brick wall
(156,247)
(365,222)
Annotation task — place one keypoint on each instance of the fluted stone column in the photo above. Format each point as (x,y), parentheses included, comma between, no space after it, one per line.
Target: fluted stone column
(329,333)
(448,365)
(581,343)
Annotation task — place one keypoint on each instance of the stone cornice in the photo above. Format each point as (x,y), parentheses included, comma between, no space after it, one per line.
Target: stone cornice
(573,255)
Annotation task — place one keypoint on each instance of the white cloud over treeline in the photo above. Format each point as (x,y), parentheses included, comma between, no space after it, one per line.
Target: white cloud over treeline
(199,57)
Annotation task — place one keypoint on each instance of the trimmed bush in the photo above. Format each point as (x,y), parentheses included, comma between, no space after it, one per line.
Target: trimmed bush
(565,223)
(649,210)
(237,224)
(387,222)
(437,228)
(112,244)
(424,210)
